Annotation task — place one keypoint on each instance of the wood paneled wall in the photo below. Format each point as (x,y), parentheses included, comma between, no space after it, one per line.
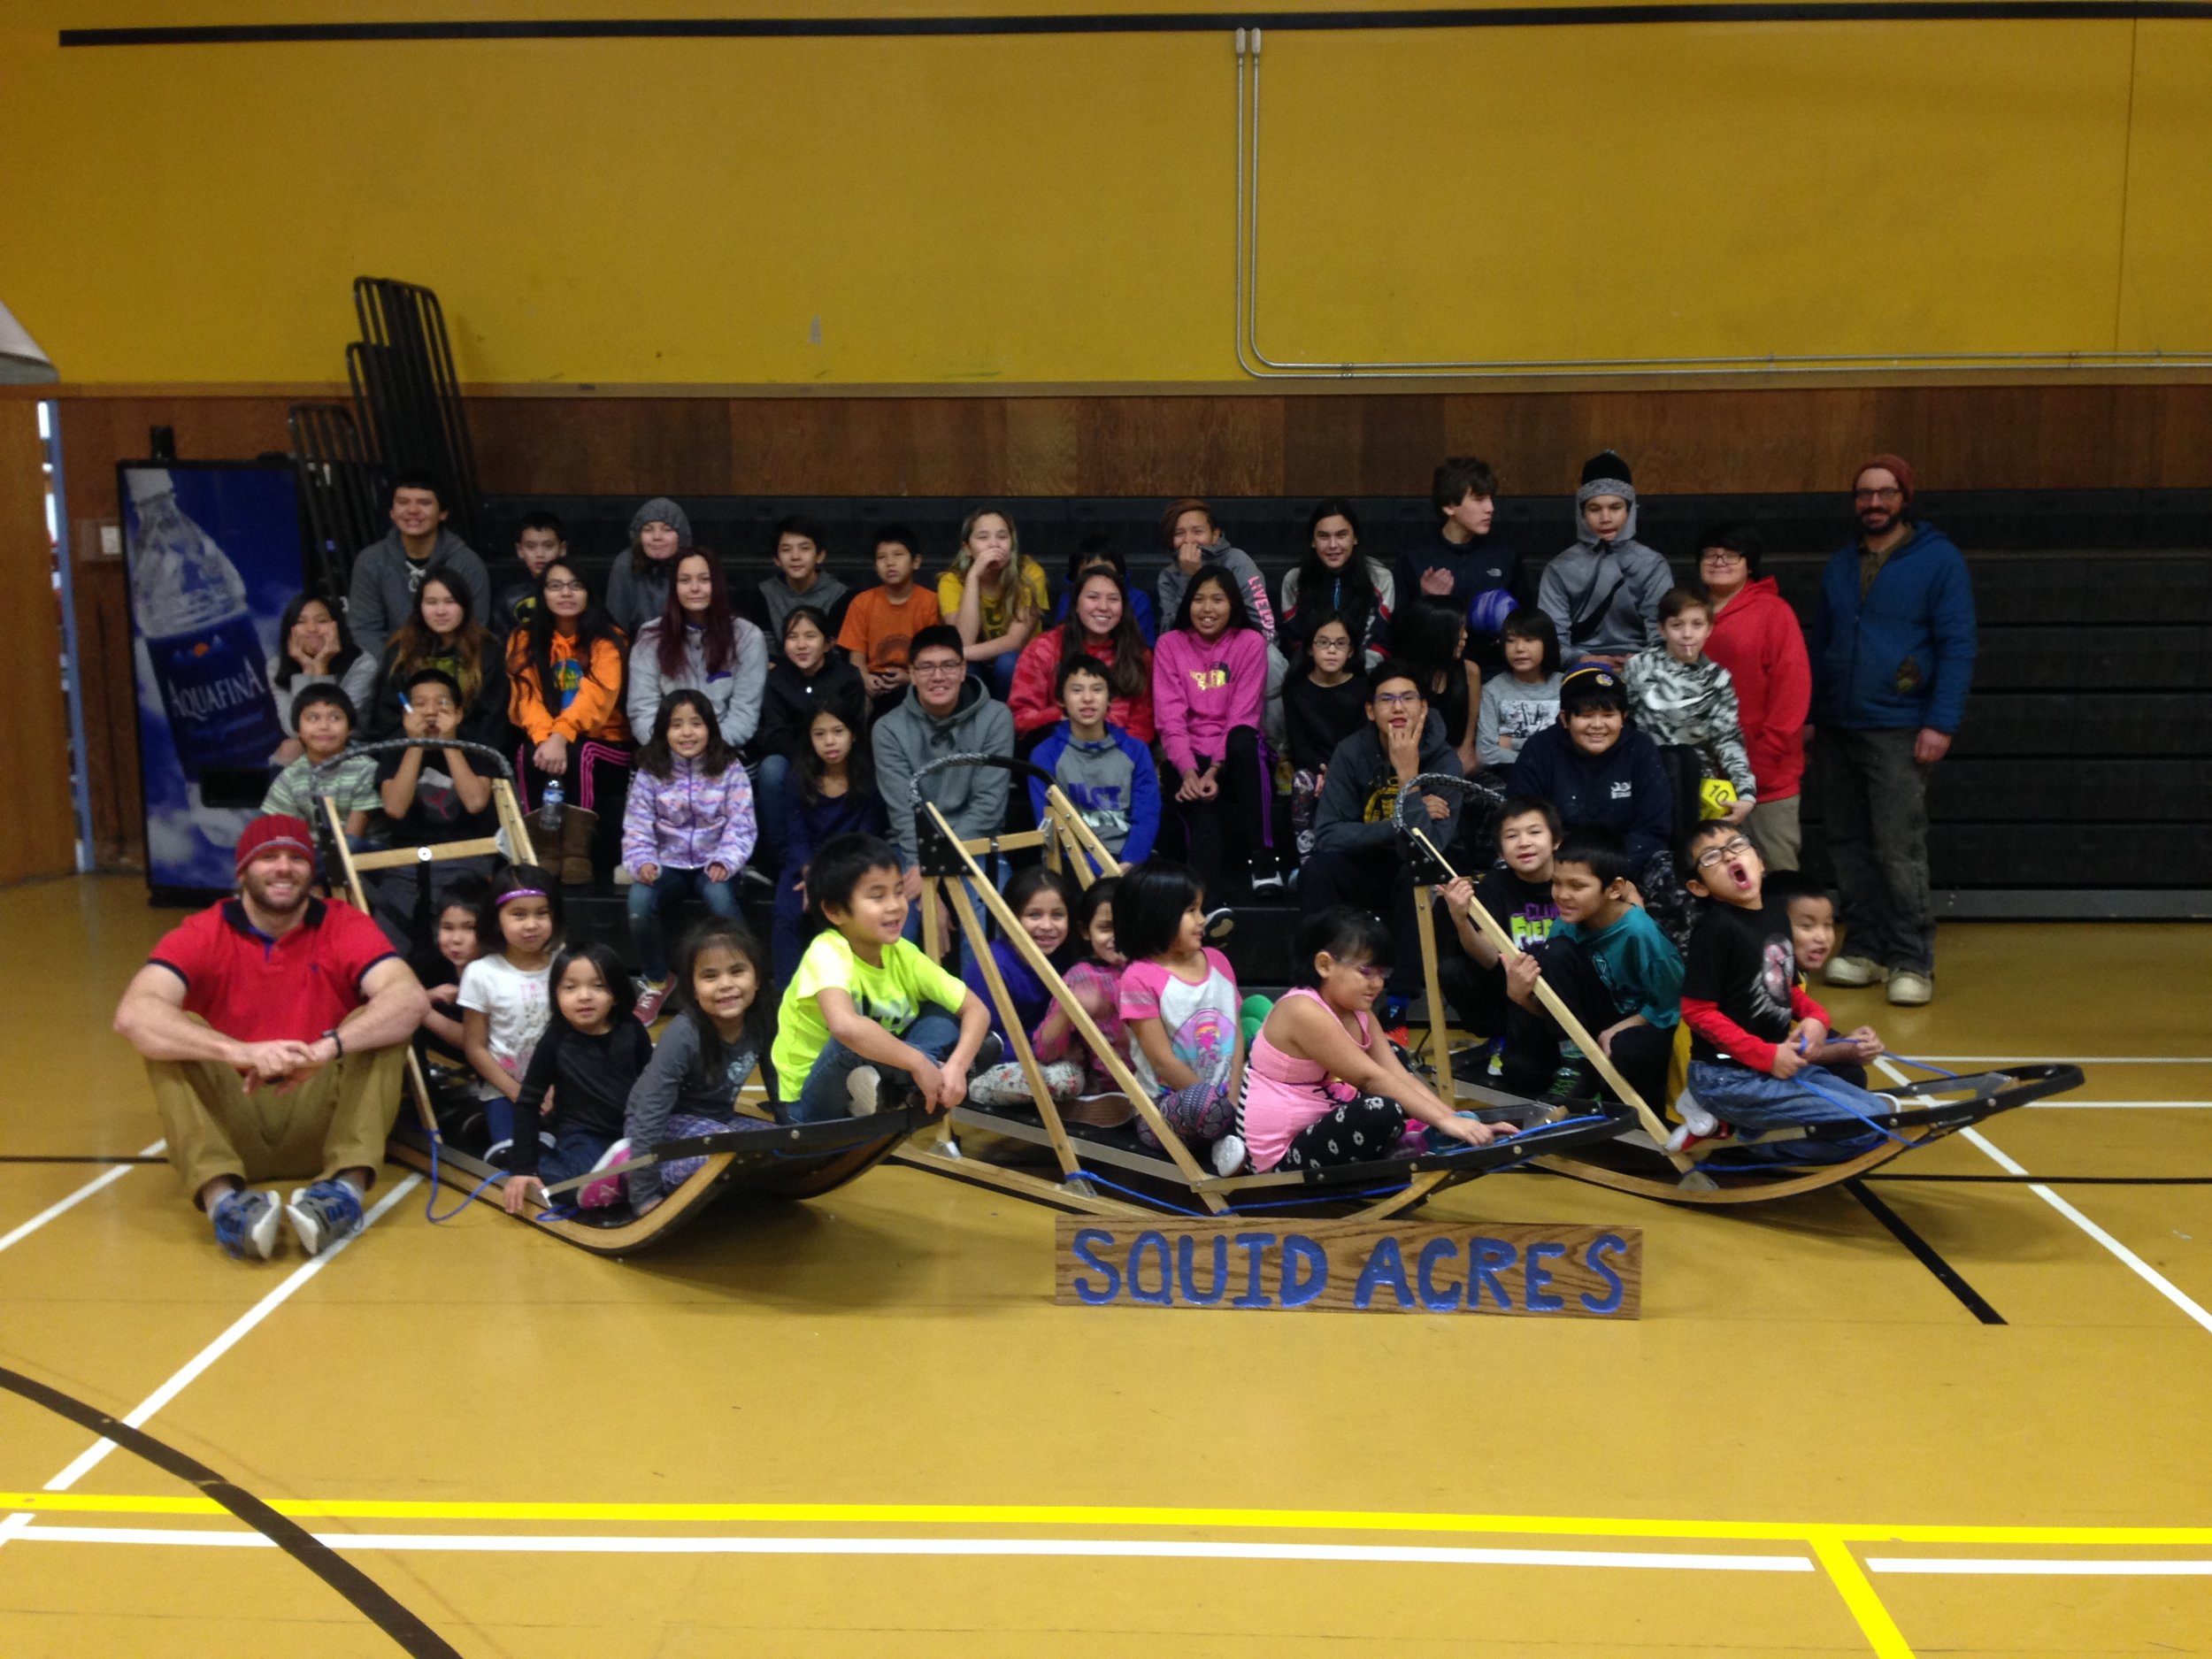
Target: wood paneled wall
(2070,437)
(41,832)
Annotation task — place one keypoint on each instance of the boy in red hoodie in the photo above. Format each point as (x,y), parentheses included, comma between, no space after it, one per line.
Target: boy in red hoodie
(1756,637)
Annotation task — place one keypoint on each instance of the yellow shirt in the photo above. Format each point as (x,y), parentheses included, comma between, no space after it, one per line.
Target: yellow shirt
(995,619)
(891,996)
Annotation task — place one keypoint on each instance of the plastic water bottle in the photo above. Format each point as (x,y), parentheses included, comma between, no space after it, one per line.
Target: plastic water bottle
(190,605)
(553,799)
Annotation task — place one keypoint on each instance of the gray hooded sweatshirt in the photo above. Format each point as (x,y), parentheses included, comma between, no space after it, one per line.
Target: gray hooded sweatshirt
(385,581)
(736,696)
(972,798)
(1238,565)
(637,587)
(1603,596)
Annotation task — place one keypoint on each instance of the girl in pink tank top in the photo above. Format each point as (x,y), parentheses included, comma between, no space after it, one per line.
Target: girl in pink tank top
(1320,1088)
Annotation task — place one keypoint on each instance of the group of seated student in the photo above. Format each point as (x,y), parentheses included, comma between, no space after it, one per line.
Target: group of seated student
(701,738)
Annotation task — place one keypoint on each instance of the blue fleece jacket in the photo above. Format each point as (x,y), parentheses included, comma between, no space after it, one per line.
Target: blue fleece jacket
(1114,785)
(1902,657)
(1625,788)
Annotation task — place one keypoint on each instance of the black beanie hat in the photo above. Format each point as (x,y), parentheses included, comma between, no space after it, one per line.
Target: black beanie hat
(1609,466)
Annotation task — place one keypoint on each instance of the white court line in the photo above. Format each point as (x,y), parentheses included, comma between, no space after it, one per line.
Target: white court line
(222,1345)
(2142,1269)
(1141,1549)
(2067,1059)
(97,1184)
(2044,1568)
(2118,1105)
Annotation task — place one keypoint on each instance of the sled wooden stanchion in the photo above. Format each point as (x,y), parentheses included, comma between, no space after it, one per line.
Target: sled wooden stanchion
(420,1084)
(1078,1015)
(1017,1038)
(1433,984)
(1592,1050)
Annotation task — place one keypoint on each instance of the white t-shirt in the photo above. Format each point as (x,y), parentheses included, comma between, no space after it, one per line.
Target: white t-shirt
(1201,1020)
(515,1007)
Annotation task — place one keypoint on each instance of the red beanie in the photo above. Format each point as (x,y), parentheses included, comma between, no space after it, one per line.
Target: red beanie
(1895,466)
(271,832)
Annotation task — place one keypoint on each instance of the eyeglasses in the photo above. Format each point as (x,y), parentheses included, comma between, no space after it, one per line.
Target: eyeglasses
(1714,858)
(1723,556)
(939,668)
(565,588)
(1892,494)
(1397,699)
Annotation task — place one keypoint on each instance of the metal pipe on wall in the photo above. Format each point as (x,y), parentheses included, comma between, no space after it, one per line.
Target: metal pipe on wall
(1259,366)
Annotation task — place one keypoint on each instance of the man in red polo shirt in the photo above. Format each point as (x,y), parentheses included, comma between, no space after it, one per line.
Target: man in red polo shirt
(274,1029)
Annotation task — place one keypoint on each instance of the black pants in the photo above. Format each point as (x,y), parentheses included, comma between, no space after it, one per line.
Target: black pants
(1475,994)
(1532,1038)
(1370,879)
(1684,767)
(1239,822)
(1357,1132)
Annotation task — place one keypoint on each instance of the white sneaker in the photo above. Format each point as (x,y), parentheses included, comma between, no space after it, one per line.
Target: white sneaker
(1853,972)
(863,1089)
(1228,1156)
(1691,1111)
(1908,989)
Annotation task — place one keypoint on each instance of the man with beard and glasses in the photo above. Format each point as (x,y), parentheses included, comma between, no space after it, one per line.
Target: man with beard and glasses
(1893,649)
(274,1028)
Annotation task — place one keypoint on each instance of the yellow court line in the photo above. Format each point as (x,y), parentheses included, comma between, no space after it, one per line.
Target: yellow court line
(1850,1580)
(1131,1515)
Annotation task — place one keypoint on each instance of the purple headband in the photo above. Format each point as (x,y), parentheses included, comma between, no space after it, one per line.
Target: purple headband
(519,893)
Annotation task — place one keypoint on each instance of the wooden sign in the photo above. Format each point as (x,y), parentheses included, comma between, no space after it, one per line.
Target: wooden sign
(1362,1267)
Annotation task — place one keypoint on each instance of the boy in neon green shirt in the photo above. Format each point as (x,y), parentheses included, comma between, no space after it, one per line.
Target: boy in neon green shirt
(866,1000)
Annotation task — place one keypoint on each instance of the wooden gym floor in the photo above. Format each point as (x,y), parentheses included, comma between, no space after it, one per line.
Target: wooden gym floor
(860,1426)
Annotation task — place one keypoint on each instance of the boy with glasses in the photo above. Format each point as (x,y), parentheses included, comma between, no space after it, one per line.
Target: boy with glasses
(1355,859)
(1757,639)
(1892,645)
(1760,1047)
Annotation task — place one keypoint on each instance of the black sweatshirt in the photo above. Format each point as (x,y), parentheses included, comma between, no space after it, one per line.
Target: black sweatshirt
(591,1079)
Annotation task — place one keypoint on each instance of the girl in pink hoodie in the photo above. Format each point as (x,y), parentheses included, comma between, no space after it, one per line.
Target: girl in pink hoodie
(1209,682)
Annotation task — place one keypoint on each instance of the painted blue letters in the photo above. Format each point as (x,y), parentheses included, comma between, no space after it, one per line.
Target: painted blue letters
(1604,1244)
(1298,1249)
(1486,1258)
(1255,1245)
(1386,1265)
(1435,1252)
(1085,1239)
(1186,1255)
(1164,1296)
(1536,1275)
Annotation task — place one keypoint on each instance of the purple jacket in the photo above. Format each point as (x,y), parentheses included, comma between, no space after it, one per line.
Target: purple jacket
(688,820)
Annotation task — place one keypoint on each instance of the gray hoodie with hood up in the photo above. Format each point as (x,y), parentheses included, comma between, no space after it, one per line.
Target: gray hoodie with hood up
(1603,596)
(972,798)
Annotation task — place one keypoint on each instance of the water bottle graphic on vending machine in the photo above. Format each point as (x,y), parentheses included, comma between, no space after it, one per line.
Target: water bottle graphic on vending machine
(191,610)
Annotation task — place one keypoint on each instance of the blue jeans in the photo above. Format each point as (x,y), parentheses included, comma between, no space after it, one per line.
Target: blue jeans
(771,789)
(1754,1102)
(933,1033)
(648,904)
(573,1152)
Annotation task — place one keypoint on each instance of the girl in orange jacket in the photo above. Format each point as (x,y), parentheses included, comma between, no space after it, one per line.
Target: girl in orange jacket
(565,668)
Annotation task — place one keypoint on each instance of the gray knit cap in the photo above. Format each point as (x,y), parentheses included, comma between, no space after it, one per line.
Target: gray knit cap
(1605,474)
(660,510)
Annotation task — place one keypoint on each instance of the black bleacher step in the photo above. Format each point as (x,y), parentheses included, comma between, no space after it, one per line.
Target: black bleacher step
(2087,722)
(1966,789)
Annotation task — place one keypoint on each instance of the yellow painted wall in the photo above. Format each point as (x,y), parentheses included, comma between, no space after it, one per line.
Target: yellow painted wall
(1058,208)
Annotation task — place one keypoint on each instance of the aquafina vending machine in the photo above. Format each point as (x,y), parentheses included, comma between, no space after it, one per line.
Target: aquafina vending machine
(215,555)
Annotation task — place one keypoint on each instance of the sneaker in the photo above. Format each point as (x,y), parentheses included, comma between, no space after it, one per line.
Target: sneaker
(1909,989)
(650,998)
(991,1053)
(863,1087)
(246,1224)
(1686,1138)
(1853,972)
(1575,1080)
(498,1154)
(324,1215)
(1691,1111)
(756,880)
(1484,1064)
(1267,879)
(604,1194)
(1228,1156)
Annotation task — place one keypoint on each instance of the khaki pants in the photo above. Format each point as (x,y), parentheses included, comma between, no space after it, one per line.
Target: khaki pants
(1774,825)
(338,1119)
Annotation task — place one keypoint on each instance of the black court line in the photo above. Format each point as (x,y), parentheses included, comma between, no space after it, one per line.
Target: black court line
(369,1598)
(1136,23)
(1927,1255)
(2058,1180)
(78,1157)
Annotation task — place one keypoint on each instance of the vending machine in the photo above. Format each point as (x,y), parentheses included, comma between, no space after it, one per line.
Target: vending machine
(215,554)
